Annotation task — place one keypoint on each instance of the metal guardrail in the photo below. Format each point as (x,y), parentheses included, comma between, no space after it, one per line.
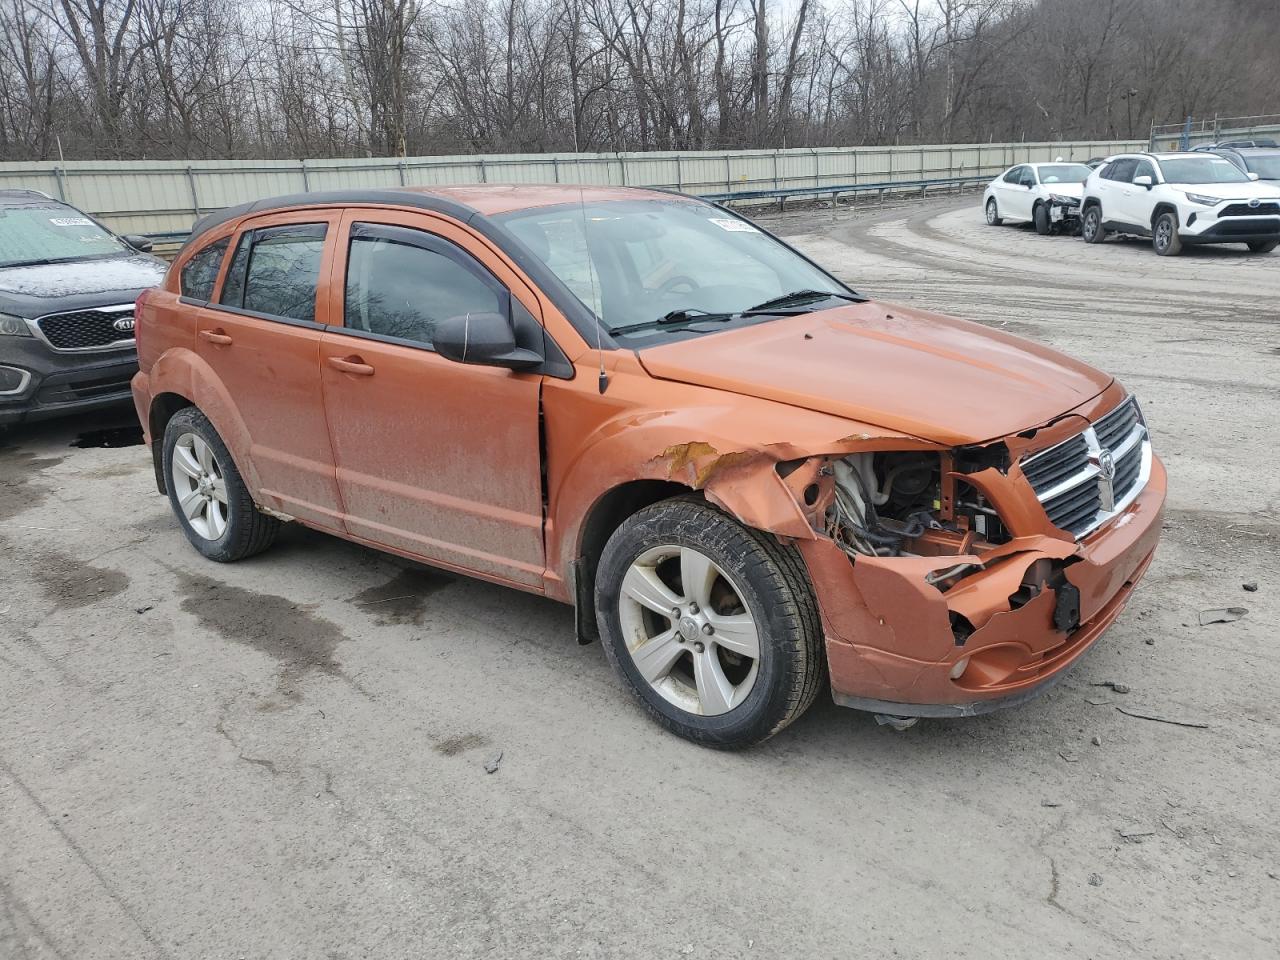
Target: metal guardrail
(155,197)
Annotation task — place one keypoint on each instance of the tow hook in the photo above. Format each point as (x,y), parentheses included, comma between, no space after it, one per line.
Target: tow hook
(897,723)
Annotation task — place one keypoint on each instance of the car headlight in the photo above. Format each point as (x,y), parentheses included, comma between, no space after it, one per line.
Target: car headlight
(11,326)
(1201,198)
(1067,201)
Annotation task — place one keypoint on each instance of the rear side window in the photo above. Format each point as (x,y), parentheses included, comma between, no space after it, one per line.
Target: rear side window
(402,282)
(201,271)
(275,271)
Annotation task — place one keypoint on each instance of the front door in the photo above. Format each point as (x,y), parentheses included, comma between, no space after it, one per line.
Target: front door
(261,335)
(1136,202)
(435,458)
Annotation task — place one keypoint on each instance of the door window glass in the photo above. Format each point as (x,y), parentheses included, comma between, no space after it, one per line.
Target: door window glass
(402,282)
(1121,170)
(1145,169)
(275,271)
(201,271)
(1014,175)
(1028,177)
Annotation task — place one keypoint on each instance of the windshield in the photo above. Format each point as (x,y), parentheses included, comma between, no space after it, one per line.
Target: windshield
(639,263)
(1201,170)
(1267,168)
(51,232)
(1064,173)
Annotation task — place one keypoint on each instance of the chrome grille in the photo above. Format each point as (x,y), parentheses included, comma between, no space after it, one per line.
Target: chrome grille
(88,329)
(1087,479)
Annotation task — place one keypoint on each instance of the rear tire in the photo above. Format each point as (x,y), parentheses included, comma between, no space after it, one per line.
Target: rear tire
(1164,235)
(711,624)
(1044,226)
(1091,225)
(1263,246)
(207,493)
(993,214)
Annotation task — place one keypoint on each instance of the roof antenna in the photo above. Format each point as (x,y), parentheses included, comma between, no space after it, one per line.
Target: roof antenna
(591,274)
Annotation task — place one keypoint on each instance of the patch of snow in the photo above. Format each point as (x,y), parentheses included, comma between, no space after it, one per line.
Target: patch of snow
(91,276)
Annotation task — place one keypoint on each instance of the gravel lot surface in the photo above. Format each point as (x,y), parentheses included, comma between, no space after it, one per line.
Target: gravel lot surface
(286,757)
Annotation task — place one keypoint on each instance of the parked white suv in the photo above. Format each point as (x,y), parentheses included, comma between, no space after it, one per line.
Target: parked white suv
(1180,198)
(1047,194)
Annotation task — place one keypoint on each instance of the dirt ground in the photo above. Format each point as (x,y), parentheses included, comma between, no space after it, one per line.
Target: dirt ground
(285,758)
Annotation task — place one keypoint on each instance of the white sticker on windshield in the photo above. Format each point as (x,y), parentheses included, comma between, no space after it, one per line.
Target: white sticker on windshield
(71,221)
(734,226)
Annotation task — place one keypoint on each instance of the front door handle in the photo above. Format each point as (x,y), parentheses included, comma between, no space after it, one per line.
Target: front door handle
(216,336)
(352,365)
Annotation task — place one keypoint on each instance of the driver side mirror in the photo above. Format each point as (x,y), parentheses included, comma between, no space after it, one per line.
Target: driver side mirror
(138,242)
(1143,181)
(487,339)
(1254,176)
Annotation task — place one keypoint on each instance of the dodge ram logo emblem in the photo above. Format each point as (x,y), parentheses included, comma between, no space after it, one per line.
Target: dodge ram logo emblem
(1106,474)
(123,325)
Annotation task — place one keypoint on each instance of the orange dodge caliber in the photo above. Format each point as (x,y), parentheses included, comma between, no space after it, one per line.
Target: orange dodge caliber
(750,481)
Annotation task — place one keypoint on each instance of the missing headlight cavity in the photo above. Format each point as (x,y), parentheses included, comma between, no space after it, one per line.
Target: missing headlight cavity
(894,504)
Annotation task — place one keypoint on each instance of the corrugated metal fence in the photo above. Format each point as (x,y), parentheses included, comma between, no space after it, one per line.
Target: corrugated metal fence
(162,196)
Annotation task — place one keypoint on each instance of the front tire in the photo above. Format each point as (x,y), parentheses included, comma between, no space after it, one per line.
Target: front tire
(993,214)
(712,625)
(207,493)
(1091,225)
(1263,246)
(1041,217)
(1164,235)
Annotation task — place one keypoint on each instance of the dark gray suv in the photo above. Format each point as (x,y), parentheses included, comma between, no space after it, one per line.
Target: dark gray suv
(67,288)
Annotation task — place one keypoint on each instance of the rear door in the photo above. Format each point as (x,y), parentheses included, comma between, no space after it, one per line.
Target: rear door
(261,336)
(435,458)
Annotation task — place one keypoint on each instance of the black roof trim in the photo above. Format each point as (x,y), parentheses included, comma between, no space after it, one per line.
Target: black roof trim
(574,310)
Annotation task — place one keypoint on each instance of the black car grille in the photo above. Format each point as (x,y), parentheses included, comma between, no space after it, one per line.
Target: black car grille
(1244,210)
(1066,477)
(85,329)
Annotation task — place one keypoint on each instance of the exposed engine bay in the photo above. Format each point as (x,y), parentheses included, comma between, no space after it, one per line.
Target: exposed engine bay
(910,505)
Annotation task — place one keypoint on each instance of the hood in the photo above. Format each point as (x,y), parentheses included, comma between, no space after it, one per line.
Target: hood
(77,285)
(930,376)
(1230,191)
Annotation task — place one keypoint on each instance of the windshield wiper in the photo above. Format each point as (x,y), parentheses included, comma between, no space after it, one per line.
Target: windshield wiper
(691,313)
(797,297)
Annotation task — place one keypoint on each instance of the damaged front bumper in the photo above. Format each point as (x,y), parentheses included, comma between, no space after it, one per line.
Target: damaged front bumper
(898,645)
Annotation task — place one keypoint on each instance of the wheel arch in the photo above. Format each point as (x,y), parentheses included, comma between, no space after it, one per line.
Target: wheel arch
(162,410)
(604,517)
(1163,207)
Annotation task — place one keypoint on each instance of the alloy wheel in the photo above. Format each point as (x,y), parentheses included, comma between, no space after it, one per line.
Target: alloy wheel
(1164,233)
(991,212)
(200,486)
(688,630)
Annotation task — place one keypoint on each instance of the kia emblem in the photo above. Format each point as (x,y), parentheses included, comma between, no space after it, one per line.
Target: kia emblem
(123,325)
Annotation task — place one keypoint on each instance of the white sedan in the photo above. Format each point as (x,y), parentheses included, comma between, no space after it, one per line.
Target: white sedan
(1047,194)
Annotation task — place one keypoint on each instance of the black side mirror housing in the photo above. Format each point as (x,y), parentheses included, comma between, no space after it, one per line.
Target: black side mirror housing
(487,339)
(138,242)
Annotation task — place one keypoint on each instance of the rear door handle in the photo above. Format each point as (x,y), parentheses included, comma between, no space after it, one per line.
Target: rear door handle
(216,336)
(352,365)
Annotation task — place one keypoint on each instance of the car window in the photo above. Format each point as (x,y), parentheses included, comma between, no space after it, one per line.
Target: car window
(275,271)
(1028,177)
(1207,169)
(1145,169)
(402,282)
(1267,167)
(1121,170)
(201,272)
(51,232)
(1014,175)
